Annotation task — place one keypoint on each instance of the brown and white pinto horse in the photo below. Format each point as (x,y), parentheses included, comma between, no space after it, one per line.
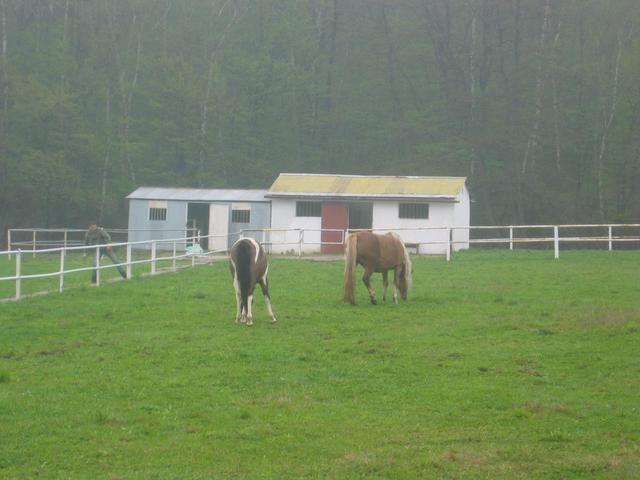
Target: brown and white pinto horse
(376,253)
(248,264)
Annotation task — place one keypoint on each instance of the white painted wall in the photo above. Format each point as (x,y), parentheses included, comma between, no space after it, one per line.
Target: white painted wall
(386,217)
(462,217)
(283,215)
(218,226)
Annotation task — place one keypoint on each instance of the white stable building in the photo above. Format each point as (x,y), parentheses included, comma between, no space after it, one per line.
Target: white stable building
(326,206)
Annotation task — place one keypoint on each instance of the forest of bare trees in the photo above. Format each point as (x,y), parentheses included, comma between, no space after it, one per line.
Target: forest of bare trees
(537,102)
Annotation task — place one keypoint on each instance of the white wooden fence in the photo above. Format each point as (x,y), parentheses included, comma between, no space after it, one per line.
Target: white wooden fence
(176,249)
(42,238)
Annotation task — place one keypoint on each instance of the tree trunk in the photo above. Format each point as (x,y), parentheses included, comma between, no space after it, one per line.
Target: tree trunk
(5,75)
(107,157)
(605,130)
(532,142)
(211,64)
(391,61)
(127,103)
(556,105)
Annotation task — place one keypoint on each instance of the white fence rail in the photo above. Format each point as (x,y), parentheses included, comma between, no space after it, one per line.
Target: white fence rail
(43,238)
(177,249)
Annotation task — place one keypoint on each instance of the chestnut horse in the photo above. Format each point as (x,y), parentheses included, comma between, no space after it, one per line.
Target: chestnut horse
(376,253)
(248,264)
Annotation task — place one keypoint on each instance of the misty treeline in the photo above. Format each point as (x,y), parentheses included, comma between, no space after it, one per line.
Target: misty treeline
(537,102)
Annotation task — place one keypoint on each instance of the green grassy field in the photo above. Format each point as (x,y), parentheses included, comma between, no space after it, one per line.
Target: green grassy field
(500,365)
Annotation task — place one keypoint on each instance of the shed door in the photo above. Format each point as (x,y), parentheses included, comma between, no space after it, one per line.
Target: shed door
(334,216)
(218,226)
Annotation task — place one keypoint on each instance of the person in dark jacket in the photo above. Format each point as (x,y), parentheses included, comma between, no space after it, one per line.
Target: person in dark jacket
(98,236)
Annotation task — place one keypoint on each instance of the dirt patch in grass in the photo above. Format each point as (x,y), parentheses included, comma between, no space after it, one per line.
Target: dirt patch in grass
(605,318)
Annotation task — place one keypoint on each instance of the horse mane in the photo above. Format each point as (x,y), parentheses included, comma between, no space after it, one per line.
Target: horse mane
(407,260)
(408,268)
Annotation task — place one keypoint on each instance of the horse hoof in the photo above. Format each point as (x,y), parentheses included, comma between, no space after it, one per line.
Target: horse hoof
(273,320)
(374,301)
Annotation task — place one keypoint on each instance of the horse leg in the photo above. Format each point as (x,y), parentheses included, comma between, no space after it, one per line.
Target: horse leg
(366,278)
(267,298)
(385,284)
(396,281)
(238,307)
(249,308)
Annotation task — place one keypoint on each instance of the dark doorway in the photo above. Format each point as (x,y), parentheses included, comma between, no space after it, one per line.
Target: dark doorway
(360,216)
(198,218)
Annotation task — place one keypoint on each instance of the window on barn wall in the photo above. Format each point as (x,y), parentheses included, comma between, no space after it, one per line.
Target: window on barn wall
(240,213)
(158,210)
(308,209)
(413,210)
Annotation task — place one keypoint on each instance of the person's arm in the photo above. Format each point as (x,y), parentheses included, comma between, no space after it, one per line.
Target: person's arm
(106,238)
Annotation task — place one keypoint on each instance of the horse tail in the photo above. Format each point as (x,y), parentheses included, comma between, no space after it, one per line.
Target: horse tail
(243,270)
(350,253)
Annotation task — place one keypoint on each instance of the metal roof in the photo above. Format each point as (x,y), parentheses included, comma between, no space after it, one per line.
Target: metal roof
(198,194)
(361,186)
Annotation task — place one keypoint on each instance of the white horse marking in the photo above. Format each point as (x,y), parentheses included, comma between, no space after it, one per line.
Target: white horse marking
(256,246)
(249,314)
(267,300)
(253,242)
(236,286)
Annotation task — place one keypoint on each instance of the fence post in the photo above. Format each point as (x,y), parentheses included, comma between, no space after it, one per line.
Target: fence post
(18,274)
(9,241)
(174,257)
(65,238)
(62,254)
(448,244)
(153,257)
(556,243)
(610,239)
(97,265)
(300,241)
(34,244)
(128,261)
(511,238)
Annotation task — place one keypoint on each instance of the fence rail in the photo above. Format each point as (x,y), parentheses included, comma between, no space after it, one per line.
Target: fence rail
(42,238)
(182,248)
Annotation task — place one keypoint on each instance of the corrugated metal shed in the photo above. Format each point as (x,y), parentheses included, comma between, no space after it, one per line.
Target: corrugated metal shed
(198,194)
(312,185)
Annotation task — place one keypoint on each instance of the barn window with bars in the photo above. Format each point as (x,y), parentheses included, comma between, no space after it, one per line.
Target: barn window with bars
(158,211)
(413,210)
(240,216)
(308,209)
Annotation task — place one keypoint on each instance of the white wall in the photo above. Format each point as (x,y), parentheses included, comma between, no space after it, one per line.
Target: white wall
(283,215)
(385,217)
(462,217)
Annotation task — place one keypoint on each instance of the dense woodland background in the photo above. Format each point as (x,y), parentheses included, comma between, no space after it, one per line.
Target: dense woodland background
(537,102)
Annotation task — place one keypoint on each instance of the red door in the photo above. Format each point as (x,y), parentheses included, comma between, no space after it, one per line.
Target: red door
(335,216)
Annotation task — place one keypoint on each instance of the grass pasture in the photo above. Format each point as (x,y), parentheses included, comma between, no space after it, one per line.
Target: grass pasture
(500,365)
